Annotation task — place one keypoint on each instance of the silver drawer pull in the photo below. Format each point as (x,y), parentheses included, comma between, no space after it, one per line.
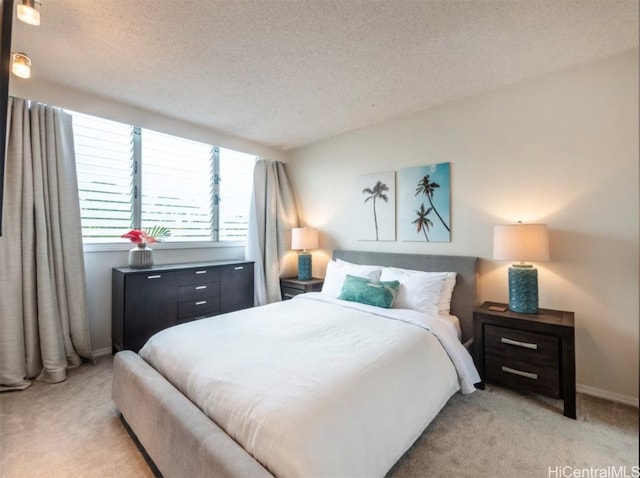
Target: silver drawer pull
(200,287)
(201,272)
(526,345)
(202,302)
(533,376)
(238,268)
(154,277)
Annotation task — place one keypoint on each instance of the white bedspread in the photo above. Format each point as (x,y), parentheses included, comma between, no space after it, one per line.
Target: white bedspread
(316,387)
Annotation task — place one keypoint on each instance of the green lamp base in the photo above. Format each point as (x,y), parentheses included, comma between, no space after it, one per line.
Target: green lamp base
(523,289)
(304,266)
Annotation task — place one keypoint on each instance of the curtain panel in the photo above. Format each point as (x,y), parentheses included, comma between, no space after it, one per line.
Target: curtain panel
(43,312)
(272,215)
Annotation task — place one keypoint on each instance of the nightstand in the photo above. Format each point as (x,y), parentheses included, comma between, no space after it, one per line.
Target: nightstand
(527,352)
(291,286)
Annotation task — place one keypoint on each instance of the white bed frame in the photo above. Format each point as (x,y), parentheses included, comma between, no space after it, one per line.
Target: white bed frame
(182,441)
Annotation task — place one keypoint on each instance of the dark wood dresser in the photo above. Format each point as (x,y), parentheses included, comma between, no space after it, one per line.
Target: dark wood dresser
(145,301)
(529,352)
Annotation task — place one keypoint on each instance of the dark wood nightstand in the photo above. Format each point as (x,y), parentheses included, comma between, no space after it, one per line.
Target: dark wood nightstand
(291,286)
(532,352)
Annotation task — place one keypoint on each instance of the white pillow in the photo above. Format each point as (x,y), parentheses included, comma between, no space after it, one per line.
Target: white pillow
(418,290)
(337,273)
(444,306)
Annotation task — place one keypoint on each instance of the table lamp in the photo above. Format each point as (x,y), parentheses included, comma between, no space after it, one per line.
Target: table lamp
(303,239)
(522,242)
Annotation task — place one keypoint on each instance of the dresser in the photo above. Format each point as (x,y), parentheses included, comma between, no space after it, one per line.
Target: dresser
(528,352)
(145,301)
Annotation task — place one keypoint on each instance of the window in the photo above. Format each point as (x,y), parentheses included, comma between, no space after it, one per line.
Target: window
(130,177)
(236,184)
(177,186)
(104,163)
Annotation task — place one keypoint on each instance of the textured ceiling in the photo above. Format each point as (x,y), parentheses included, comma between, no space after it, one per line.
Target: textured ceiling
(288,73)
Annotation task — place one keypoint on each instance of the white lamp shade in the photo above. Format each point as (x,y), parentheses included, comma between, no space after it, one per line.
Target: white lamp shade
(304,238)
(521,242)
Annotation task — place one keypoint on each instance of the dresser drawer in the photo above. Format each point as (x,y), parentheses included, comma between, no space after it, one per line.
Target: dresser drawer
(198,291)
(525,346)
(201,275)
(198,308)
(523,375)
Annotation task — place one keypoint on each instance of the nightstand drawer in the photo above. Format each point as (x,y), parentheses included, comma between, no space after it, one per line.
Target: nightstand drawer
(523,375)
(290,287)
(521,345)
(198,308)
(198,291)
(290,292)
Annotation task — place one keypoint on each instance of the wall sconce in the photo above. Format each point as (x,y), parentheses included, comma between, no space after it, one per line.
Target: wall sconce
(303,239)
(28,13)
(522,242)
(20,65)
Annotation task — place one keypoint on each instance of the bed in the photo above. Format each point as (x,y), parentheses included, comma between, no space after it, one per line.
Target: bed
(317,386)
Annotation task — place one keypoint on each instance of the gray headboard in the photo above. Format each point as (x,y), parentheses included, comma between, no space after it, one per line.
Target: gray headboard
(464,294)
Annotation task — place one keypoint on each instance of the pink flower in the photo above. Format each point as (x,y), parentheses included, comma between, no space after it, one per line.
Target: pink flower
(137,236)
(155,234)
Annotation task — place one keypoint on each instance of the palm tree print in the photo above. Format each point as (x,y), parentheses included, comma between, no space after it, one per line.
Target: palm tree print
(378,192)
(427,187)
(422,222)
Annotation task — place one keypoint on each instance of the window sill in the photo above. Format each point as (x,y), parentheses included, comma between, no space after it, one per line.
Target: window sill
(125,246)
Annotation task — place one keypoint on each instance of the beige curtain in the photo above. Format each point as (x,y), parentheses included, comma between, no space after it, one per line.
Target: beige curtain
(272,216)
(43,314)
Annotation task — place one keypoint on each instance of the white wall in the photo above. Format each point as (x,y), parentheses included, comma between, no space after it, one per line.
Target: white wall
(563,150)
(98,262)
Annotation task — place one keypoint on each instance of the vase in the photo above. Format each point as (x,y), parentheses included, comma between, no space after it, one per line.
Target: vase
(141,256)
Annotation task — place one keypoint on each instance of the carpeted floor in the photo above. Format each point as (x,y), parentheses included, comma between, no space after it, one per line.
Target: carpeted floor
(72,429)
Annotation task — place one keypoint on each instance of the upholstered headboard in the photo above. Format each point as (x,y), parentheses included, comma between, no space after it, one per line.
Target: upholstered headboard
(464,294)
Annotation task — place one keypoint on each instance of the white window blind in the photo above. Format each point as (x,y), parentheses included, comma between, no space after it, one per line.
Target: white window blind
(130,177)
(236,183)
(104,153)
(177,186)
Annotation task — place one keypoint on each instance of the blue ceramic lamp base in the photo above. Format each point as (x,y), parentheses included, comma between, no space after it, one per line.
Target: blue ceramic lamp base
(523,289)
(304,266)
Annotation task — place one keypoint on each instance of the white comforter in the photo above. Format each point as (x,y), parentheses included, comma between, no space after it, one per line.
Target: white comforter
(316,387)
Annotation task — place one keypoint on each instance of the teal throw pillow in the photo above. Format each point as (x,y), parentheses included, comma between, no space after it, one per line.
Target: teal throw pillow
(365,291)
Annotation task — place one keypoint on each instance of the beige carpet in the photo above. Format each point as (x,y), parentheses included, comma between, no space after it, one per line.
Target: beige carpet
(72,429)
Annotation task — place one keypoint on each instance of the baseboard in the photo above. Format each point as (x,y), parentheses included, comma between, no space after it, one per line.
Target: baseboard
(614,397)
(102,352)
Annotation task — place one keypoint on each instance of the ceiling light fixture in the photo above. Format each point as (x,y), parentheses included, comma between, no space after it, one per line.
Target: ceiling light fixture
(28,13)
(20,65)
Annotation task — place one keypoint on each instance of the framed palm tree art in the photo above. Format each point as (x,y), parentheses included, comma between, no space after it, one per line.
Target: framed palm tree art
(376,207)
(424,203)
